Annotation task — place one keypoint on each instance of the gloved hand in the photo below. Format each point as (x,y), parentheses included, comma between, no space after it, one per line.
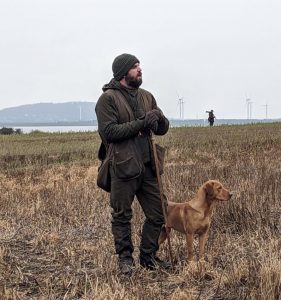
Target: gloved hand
(159,114)
(154,126)
(151,120)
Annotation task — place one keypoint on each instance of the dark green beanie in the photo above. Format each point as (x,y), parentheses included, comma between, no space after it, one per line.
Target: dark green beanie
(122,64)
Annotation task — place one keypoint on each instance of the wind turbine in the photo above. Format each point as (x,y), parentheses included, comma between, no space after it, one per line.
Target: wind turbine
(181,104)
(249,108)
(80,112)
(266,110)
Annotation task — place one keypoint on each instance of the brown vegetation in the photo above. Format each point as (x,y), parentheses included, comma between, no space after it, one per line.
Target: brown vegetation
(55,237)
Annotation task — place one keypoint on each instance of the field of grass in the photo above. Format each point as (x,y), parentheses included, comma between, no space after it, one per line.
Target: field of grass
(55,230)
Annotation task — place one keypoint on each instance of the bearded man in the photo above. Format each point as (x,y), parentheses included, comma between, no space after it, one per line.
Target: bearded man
(127,115)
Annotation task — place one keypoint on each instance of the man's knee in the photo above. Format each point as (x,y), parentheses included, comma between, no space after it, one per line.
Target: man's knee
(121,217)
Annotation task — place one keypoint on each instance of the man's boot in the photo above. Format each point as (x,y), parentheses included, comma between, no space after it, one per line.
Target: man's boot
(126,264)
(152,262)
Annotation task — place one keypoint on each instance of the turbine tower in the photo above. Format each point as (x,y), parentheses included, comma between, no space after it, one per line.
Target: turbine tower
(181,104)
(266,110)
(80,113)
(249,108)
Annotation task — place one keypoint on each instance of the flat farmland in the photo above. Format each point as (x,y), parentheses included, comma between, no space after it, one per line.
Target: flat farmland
(55,229)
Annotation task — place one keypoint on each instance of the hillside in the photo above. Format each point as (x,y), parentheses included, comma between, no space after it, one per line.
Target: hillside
(49,113)
(83,113)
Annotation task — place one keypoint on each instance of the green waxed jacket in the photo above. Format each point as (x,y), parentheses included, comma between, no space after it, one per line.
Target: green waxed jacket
(120,113)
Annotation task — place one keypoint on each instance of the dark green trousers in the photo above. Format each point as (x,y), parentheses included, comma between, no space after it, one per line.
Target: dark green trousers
(146,190)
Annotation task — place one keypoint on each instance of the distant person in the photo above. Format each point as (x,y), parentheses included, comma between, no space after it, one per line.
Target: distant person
(211,118)
(127,115)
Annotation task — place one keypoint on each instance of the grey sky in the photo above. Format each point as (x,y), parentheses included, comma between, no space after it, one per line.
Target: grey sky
(213,53)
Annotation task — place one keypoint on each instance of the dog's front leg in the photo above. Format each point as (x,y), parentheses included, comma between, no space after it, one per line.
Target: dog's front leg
(202,242)
(163,234)
(189,243)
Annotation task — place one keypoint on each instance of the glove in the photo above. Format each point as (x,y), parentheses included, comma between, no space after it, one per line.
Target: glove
(151,120)
(159,114)
(154,126)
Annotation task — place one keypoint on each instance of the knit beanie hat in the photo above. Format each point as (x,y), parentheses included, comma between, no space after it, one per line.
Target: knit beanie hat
(122,64)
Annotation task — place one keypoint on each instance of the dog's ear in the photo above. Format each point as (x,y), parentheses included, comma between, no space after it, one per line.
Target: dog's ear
(209,189)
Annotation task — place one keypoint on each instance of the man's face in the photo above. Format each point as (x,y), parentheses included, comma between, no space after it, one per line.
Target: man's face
(134,76)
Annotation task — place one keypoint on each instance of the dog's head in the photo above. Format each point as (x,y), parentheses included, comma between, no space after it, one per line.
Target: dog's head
(216,191)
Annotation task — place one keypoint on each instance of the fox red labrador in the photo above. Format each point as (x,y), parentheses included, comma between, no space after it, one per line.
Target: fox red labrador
(194,217)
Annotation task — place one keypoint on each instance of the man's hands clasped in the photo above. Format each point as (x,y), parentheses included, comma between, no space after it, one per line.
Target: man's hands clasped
(152,118)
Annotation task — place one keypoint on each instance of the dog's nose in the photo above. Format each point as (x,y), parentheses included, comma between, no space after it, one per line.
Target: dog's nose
(230,195)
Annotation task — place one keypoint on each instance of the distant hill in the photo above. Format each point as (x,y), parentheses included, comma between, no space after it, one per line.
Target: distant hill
(49,113)
(83,113)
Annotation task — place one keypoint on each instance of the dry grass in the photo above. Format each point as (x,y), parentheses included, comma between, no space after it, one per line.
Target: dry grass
(55,237)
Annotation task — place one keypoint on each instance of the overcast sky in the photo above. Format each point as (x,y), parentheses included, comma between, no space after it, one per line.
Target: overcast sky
(213,53)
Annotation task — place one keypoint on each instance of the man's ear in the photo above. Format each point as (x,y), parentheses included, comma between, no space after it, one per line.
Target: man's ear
(209,189)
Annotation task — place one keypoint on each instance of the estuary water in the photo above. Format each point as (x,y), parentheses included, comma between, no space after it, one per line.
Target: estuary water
(173,123)
(29,129)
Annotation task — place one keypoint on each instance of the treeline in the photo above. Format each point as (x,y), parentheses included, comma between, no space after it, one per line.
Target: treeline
(8,131)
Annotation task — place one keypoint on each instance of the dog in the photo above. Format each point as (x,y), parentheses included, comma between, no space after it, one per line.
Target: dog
(194,217)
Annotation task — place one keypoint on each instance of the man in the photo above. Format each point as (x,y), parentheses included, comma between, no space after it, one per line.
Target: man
(126,117)
(211,117)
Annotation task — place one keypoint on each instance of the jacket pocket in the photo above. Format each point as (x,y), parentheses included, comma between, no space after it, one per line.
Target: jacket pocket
(127,169)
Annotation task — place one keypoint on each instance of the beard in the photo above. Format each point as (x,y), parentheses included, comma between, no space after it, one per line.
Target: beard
(134,82)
